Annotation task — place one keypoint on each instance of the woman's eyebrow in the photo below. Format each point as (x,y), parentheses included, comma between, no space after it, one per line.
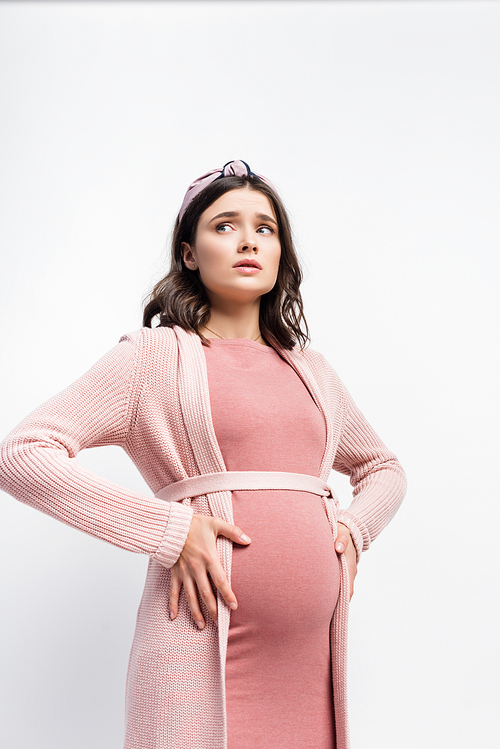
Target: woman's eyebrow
(265,217)
(234,214)
(226,214)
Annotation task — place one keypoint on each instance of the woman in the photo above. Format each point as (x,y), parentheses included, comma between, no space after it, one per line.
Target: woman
(241,631)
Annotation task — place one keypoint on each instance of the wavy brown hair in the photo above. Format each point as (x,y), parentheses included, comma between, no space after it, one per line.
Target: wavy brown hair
(180,297)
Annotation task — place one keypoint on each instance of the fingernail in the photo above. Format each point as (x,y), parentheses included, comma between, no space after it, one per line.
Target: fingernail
(340,547)
(172,615)
(232,605)
(200,625)
(245,538)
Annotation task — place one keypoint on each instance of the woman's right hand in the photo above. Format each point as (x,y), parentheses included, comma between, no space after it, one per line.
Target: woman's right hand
(198,559)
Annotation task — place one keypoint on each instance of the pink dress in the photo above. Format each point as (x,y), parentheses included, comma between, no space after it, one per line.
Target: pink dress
(278,671)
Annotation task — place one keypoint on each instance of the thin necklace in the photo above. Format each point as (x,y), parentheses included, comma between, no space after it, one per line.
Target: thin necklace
(225,339)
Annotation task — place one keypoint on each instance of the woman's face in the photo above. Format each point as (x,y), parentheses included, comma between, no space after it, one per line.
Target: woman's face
(237,248)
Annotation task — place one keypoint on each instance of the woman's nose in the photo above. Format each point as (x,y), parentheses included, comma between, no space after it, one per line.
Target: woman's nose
(248,243)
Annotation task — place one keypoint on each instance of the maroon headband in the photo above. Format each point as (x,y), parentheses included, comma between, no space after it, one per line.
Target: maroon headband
(231,169)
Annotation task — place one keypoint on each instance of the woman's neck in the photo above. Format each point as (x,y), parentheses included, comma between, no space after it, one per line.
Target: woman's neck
(242,323)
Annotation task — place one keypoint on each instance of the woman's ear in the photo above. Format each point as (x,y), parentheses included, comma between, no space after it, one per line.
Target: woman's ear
(188,256)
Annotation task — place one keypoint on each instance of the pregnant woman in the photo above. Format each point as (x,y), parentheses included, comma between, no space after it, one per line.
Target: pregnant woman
(235,425)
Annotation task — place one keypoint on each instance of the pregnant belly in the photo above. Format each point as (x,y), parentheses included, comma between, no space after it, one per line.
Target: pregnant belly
(288,577)
(278,672)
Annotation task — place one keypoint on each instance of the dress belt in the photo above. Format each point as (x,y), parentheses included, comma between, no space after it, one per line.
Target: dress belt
(209,483)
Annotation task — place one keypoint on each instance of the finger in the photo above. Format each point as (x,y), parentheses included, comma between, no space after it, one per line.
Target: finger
(231,531)
(351,581)
(191,593)
(352,568)
(175,590)
(206,594)
(343,537)
(222,584)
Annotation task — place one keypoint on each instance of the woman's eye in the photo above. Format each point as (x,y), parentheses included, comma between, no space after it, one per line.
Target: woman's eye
(265,230)
(223,228)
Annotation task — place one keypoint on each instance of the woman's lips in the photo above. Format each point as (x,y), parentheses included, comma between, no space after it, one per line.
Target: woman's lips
(248,265)
(246,269)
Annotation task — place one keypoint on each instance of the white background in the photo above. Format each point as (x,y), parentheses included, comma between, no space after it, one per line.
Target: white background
(379,123)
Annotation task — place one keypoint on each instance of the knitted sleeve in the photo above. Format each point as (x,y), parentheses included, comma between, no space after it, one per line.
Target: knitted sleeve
(377,477)
(38,463)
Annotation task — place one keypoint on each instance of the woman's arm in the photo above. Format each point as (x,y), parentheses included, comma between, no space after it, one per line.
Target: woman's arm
(377,477)
(38,465)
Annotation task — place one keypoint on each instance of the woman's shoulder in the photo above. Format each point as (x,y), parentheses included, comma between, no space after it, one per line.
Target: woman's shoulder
(159,349)
(312,358)
(145,336)
(160,340)
(320,368)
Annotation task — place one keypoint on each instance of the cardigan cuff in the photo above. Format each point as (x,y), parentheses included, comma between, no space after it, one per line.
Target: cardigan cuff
(173,541)
(358,531)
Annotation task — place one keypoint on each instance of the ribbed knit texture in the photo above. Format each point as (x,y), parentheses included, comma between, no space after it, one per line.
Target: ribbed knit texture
(150,396)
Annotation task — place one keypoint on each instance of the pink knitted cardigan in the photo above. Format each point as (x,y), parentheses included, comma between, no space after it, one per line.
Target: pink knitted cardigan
(150,396)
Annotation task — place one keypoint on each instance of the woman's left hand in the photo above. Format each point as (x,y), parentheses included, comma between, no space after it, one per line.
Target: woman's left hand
(344,544)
